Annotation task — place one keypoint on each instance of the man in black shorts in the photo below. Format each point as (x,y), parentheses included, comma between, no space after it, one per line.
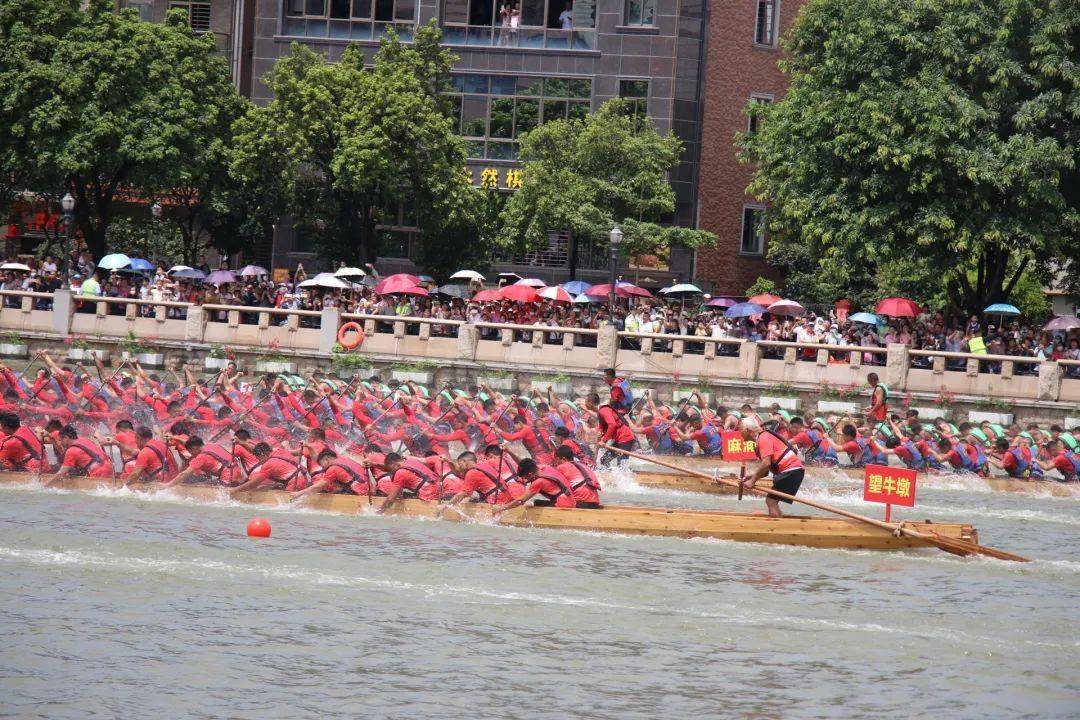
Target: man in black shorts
(777,457)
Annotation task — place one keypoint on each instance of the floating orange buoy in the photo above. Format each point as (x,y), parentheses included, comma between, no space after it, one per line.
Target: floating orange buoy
(258,528)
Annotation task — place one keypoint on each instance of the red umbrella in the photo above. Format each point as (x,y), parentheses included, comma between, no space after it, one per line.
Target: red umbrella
(487,296)
(897,307)
(633,289)
(764,299)
(721,302)
(415,290)
(602,291)
(519,293)
(557,294)
(396,283)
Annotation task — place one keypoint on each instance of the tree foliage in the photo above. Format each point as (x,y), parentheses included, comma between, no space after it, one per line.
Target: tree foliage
(588,175)
(99,104)
(344,145)
(923,143)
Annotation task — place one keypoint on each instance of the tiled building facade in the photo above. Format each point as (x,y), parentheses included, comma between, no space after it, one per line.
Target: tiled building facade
(521,62)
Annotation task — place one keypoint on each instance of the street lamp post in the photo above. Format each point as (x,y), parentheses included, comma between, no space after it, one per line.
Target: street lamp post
(615,238)
(67,204)
(155,212)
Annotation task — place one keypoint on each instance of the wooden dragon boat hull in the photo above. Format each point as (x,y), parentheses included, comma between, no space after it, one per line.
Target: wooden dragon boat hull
(648,476)
(815,532)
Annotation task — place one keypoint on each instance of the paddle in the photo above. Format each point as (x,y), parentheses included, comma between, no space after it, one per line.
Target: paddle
(955,546)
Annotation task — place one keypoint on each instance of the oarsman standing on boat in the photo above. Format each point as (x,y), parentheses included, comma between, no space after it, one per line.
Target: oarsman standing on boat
(621,396)
(778,457)
(879,400)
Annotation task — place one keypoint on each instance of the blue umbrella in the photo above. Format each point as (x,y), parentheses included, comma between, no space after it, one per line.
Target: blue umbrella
(745,309)
(1002,309)
(865,317)
(576,287)
(140,264)
(114,261)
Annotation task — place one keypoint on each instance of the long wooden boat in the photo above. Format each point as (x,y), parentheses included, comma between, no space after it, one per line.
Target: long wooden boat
(671,480)
(656,476)
(815,532)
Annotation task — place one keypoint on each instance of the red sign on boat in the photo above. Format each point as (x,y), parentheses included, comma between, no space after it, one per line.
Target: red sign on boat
(736,449)
(889,485)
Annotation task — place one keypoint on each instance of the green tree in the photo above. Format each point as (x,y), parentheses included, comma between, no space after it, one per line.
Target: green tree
(347,144)
(924,143)
(587,175)
(106,105)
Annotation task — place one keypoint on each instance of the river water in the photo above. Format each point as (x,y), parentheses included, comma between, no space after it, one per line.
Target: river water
(115,605)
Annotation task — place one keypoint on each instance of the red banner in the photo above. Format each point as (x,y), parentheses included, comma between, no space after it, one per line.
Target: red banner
(735,449)
(889,485)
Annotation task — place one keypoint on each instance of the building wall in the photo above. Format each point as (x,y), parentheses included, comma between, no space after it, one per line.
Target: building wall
(736,69)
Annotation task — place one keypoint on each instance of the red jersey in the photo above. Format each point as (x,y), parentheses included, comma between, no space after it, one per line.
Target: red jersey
(281,468)
(582,481)
(414,476)
(781,456)
(22,450)
(615,430)
(215,462)
(156,462)
(85,457)
(551,484)
(344,472)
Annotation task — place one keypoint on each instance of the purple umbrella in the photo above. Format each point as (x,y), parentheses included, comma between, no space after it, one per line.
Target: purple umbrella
(220,277)
(746,309)
(720,302)
(1063,322)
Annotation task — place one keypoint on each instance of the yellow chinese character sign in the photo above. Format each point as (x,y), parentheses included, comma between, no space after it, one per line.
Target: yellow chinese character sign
(513,179)
(489,178)
(889,485)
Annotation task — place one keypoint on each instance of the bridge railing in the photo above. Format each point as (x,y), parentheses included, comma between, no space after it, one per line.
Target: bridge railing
(685,359)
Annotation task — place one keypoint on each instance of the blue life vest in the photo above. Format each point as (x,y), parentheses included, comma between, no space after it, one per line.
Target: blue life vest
(865,456)
(966,463)
(627,400)
(662,442)
(917,461)
(1074,458)
(713,440)
(819,450)
(1024,468)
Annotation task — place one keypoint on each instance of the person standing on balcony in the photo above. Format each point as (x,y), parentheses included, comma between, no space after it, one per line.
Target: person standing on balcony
(622,397)
(566,17)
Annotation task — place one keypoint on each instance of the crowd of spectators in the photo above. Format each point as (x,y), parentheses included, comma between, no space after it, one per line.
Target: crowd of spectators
(686,317)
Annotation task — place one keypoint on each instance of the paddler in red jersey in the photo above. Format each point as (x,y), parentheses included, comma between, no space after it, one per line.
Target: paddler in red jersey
(20,448)
(778,457)
(879,400)
(273,469)
(412,477)
(581,479)
(337,474)
(545,481)
(209,462)
(154,463)
(479,478)
(80,457)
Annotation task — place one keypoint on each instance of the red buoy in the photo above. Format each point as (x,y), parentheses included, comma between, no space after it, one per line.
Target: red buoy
(258,528)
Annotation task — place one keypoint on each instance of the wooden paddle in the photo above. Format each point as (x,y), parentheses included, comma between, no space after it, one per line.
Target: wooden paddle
(957,547)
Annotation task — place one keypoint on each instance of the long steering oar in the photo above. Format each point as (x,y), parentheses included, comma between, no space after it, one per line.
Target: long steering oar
(952,545)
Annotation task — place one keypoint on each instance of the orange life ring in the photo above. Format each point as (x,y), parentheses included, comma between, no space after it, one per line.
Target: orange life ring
(345,330)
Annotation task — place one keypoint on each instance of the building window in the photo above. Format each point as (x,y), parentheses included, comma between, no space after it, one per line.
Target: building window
(640,13)
(144,9)
(636,93)
(753,122)
(349,19)
(198,14)
(493,111)
(565,24)
(765,23)
(753,230)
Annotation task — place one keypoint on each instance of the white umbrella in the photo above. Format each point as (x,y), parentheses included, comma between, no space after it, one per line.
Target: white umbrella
(582,298)
(327,281)
(682,289)
(15,266)
(349,272)
(467,275)
(532,282)
(179,268)
(115,261)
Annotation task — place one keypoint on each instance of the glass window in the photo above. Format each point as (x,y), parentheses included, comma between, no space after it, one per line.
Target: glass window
(315,7)
(528,116)
(765,23)
(753,231)
(384,10)
(640,12)
(754,121)
(294,7)
(502,118)
(577,110)
(339,9)
(144,9)
(532,13)
(476,84)
(361,9)
(501,150)
(554,110)
(636,92)
(456,12)
(474,116)
(503,84)
(404,9)
(475,149)
(579,88)
(529,85)
(556,87)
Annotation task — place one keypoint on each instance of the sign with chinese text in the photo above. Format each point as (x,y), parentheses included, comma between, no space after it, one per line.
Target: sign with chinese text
(889,485)
(736,449)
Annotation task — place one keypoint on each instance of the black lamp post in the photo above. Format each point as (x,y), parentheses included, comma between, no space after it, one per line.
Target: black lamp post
(67,204)
(615,238)
(155,212)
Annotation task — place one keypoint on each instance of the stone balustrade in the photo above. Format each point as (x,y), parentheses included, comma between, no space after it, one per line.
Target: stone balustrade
(678,359)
